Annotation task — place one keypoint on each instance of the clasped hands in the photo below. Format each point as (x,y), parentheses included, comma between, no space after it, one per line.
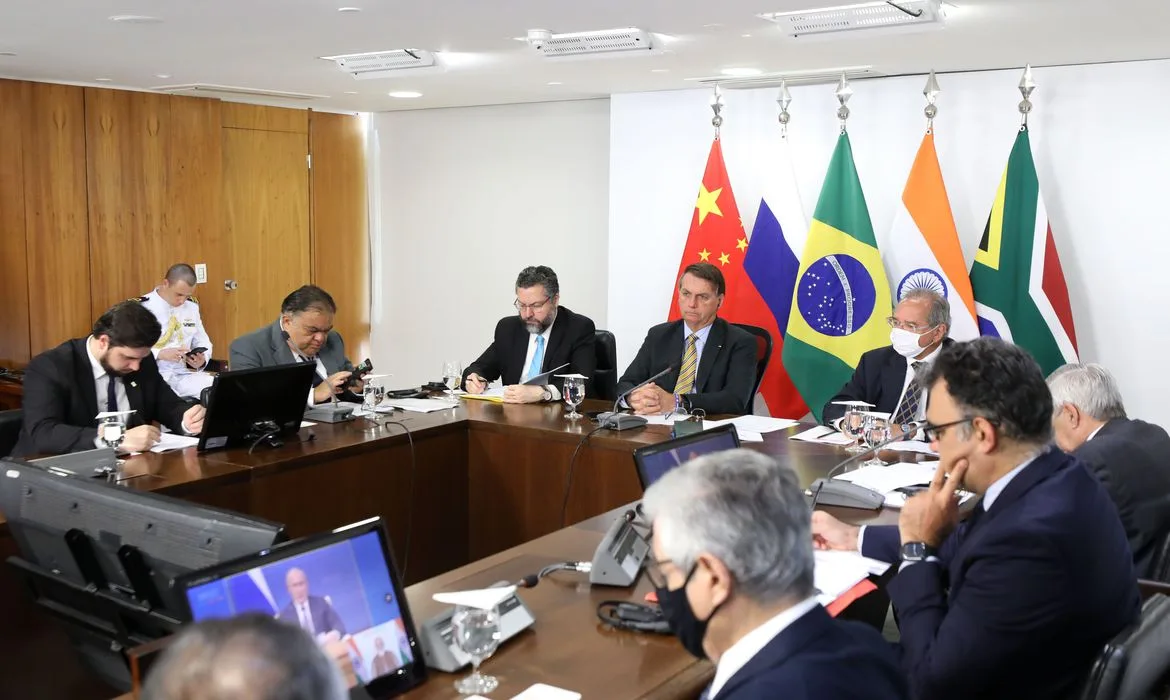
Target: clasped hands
(650,399)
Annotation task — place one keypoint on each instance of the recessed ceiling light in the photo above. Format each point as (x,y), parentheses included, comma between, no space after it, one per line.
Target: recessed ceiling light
(405,94)
(7,53)
(659,70)
(713,25)
(746,36)
(136,19)
(741,72)
(351,92)
(164,76)
(349,9)
(103,80)
(555,82)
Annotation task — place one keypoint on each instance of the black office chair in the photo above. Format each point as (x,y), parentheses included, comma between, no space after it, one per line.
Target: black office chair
(1160,563)
(9,430)
(605,377)
(763,352)
(1133,665)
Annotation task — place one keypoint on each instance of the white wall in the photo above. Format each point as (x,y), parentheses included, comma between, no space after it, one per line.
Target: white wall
(1101,150)
(464,199)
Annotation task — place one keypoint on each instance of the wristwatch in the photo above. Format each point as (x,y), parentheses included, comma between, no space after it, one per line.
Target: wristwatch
(917,551)
(682,401)
(905,427)
(547,396)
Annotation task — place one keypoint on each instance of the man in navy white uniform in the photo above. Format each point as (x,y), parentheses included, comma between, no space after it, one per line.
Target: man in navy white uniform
(177,312)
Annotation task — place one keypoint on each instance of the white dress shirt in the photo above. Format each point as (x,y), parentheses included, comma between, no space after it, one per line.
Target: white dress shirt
(700,343)
(753,642)
(306,617)
(1094,433)
(101,381)
(321,371)
(923,390)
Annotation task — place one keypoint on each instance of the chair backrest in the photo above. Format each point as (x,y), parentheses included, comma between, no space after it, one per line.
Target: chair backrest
(763,352)
(605,378)
(1160,562)
(1133,664)
(10,430)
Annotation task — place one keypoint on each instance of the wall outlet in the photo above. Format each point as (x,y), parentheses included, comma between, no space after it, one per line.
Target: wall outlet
(201,273)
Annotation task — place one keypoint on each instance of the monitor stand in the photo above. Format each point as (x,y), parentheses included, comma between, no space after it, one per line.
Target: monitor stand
(264,432)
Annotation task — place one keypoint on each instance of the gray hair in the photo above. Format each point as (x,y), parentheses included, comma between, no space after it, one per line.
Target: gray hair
(1089,387)
(249,657)
(940,308)
(744,508)
(539,274)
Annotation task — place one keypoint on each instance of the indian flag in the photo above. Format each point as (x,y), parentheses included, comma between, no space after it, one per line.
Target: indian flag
(924,250)
(1020,292)
(842,298)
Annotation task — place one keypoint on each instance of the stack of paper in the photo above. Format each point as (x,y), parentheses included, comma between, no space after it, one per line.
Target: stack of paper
(837,572)
(752,424)
(886,479)
(174,441)
(824,435)
(419,405)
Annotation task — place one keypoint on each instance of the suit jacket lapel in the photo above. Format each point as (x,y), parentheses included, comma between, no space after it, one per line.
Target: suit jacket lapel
(280,349)
(895,379)
(83,377)
(711,350)
(556,338)
(787,645)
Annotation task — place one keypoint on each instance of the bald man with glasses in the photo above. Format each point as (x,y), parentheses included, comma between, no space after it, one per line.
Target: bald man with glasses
(542,336)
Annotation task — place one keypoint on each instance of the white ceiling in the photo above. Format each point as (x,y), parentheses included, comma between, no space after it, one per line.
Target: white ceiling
(275,44)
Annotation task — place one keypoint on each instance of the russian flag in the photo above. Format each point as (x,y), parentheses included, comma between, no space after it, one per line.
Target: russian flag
(771,265)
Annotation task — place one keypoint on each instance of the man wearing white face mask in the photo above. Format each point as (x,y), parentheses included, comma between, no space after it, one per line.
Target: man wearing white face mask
(889,378)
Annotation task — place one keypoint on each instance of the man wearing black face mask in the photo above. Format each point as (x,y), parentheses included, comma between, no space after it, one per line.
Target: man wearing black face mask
(733,570)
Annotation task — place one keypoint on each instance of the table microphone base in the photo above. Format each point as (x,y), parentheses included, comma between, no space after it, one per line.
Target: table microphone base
(620,421)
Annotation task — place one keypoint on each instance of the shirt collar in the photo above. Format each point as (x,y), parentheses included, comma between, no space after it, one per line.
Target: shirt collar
(1094,433)
(98,370)
(702,332)
(1001,483)
(740,653)
(929,359)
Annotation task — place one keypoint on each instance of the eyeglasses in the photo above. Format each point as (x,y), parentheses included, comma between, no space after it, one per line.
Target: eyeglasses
(530,307)
(935,432)
(912,327)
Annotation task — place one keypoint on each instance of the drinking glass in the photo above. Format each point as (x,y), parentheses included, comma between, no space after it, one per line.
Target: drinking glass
(452,376)
(112,431)
(574,394)
(477,632)
(853,425)
(877,431)
(371,397)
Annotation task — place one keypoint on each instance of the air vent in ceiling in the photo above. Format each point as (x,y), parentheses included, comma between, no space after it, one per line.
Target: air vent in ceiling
(792,78)
(871,16)
(606,41)
(203,89)
(385,64)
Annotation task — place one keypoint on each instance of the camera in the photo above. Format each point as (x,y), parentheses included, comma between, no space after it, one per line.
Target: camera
(537,37)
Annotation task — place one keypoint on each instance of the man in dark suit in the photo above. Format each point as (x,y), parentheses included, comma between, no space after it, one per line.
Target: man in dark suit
(733,571)
(890,378)
(712,363)
(1130,457)
(112,370)
(1019,599)
(544,336)
(311,613)
(303,333)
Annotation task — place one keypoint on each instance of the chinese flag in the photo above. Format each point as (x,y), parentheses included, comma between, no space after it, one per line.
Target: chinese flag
(717,236)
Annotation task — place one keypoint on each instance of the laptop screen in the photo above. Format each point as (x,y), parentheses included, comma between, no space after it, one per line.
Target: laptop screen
(655,460)
(339,590)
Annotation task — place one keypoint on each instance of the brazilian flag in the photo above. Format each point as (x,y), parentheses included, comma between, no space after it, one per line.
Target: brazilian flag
(842,298)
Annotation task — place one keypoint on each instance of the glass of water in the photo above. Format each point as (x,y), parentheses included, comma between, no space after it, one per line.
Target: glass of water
(853,425)
(371,397)
(477,632)
(574,394)
(876,431)
(452,377)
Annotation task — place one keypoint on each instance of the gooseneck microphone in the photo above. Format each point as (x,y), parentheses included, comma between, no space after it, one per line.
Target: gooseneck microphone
(615,419)
(847,494)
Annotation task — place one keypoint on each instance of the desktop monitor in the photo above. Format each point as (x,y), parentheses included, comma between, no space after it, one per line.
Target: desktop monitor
(250,406)
(348,585)
(653,461)
(93,532)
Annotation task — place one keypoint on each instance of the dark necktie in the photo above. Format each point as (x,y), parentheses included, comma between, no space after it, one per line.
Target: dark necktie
(908,410)
(111,394)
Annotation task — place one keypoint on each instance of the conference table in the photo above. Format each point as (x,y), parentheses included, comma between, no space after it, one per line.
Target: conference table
(471,495)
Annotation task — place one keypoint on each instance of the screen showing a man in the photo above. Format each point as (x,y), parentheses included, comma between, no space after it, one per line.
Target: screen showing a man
(313,614)
(654,463)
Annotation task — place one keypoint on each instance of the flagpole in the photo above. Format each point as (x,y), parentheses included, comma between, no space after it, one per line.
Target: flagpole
(844,92)
(931,92)
(784,100)
(1027,85)
(717,108)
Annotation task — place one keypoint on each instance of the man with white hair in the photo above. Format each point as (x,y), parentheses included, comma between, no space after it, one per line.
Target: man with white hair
(733,571)
(249,657)
(1130,457)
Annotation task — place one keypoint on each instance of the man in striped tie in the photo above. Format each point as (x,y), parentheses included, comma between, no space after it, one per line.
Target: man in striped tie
(711,363)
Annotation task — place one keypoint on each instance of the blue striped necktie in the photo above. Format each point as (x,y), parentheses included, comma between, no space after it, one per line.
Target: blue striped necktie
(537,358)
